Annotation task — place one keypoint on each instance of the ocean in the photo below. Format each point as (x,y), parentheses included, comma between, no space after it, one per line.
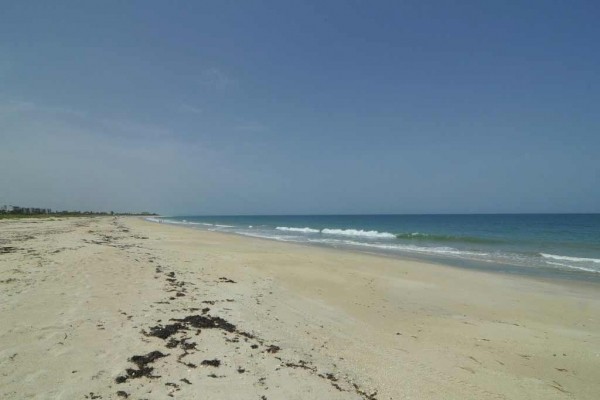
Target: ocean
(565,245)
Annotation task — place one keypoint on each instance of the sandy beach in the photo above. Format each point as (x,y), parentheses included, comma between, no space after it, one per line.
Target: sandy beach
(112,308)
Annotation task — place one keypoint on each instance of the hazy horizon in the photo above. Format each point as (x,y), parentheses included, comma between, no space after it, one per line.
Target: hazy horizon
(319,108)
(370,214)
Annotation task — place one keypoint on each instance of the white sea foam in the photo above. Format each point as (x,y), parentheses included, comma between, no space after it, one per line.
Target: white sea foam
(359,233)
(182,222)
(572,259)
(397,247)
(436,250)
(162,220)
(272,237)
(302,230)
(170,221)
(572,267)
(340,232)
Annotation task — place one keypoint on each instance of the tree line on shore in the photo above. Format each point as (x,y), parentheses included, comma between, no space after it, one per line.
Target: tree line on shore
(35,211)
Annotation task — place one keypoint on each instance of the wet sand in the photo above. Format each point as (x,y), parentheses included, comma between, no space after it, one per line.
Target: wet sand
(111,308)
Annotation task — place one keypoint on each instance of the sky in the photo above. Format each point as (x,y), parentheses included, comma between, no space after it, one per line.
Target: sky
(300,107)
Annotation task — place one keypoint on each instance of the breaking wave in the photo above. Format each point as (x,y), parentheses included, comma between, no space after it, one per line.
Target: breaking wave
(359,233)
(301,230)
(373,234)
(340,232)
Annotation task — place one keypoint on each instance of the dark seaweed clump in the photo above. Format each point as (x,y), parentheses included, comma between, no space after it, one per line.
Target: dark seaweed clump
(164,332)
(143,370)
(211,363)
(191,321)
(273,349)
(207,322)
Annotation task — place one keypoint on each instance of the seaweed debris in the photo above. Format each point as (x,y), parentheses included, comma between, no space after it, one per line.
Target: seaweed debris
(143,370)
(211,363)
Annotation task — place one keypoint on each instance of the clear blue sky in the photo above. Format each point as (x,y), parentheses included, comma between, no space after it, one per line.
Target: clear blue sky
(301,107)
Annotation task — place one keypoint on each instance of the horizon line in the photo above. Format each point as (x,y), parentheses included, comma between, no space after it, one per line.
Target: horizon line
(378,214)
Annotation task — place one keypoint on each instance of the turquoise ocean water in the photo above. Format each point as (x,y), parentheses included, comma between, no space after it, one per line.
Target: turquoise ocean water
(558,244)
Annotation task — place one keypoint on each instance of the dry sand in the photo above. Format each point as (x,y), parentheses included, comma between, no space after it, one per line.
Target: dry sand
(219,316)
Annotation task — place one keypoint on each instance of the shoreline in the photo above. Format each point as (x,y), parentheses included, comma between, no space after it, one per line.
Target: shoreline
(112,306)
(491,267)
